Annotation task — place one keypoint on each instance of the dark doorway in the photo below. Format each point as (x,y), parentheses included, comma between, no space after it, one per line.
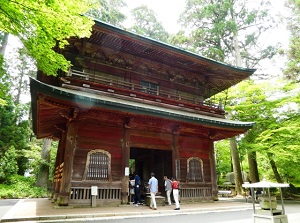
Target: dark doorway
(147,161)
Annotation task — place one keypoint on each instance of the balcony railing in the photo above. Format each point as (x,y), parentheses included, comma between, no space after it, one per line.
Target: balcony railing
(120,87)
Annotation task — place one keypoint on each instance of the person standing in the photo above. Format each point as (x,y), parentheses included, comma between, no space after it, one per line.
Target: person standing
(137,189)
(131,188)
(168,189)
(153,188)
(175,187)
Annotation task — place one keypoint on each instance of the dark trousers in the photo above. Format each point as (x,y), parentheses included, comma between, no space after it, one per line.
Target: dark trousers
(137,195)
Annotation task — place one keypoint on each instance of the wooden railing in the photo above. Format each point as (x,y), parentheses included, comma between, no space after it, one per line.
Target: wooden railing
(191,193)
(82,195)
(129,89)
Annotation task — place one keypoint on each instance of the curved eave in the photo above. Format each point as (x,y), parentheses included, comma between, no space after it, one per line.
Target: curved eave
(151,41)
(93,100)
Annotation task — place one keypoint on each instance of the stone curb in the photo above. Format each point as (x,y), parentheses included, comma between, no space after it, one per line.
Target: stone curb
(123,214)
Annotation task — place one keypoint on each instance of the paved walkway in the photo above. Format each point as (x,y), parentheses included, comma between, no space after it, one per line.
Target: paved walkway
(43,209)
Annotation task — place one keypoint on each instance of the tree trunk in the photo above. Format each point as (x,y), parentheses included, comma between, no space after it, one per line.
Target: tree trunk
(43,172)
(253,170)
(236,166)
(19,87)
(254,176)
(238,59)
(274,168)
(4,44)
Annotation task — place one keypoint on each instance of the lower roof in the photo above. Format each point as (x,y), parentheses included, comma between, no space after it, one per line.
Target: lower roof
(82,98)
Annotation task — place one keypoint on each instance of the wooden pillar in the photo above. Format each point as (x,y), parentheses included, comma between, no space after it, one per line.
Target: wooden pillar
(58,162)
(70,144)
(213,171)
(175,153)
(125,161)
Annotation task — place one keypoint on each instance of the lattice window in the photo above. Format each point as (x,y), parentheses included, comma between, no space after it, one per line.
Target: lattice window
(98,166)
(150,88)
(195,169)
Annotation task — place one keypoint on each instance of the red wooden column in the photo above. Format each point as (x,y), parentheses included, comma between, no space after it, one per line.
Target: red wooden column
(213,171)
(175,153)
(58,162)
(125,161)
(65,188)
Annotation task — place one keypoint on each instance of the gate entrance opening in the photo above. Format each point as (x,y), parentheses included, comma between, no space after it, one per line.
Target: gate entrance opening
(146,161)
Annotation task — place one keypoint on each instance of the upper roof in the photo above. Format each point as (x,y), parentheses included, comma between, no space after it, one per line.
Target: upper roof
(115,51)
(114,44)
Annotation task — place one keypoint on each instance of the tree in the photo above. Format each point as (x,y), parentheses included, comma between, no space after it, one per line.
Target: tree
(109,12)
(228,30)
(3,86)
(145,23)
(275,110)
(20,68)
(279,141)
(3,75)
(8,165)
(238,179)
(14,126)
(44,25)
(250,104)
(14,133)
(223,163)
(3,42)
(42,176)
(292,70)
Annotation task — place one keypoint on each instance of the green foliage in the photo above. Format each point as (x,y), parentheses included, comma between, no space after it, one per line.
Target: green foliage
(35,160)
(280,139)
(14,135)
(8,165)
(14,128)
(228,30)
(292,70)
(17,186)
(145,23)
(275,110)
(44,25)
(109,12)
(223,160)
(4,83)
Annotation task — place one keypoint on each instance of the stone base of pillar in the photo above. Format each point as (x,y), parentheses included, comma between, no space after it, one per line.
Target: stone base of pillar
(62,200)
(215,198)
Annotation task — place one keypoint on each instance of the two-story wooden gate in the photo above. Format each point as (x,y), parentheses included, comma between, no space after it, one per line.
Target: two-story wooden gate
(129,97)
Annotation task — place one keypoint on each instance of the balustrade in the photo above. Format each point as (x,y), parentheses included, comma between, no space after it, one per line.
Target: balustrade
(160,94)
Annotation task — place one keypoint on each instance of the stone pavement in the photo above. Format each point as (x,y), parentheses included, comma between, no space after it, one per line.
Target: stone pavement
(42,209)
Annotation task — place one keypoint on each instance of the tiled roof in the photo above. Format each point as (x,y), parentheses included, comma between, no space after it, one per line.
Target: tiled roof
(104,101)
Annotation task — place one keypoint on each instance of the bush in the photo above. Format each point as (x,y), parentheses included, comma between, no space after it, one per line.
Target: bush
(17,186)
(8,165)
